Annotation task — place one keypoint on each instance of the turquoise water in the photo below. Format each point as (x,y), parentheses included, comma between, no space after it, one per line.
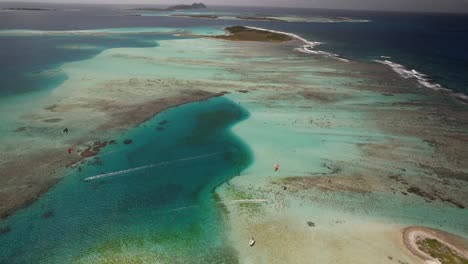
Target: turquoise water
(30,58)
(165,209)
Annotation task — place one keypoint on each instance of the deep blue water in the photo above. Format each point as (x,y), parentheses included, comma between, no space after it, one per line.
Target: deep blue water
(434,44)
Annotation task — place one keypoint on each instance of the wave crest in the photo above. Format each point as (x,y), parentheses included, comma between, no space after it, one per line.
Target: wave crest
(308,46)
(421,78)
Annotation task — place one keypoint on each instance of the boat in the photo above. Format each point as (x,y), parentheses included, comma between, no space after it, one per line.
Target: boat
(252,242)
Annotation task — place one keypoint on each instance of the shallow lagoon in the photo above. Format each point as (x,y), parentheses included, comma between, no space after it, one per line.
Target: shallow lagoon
(166,211)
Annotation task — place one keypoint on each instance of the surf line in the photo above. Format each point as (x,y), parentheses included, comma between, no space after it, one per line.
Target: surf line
(421,78)
(159,164)
(308,46)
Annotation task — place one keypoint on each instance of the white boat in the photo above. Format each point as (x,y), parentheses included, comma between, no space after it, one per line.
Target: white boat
(252,242)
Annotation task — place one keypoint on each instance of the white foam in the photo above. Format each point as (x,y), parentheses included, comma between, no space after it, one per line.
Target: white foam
(159,164)
(308,46)
(421,78)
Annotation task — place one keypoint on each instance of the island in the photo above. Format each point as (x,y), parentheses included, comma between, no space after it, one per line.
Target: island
(264,18)
(240,33)
(435,246)
(27,9)
(196,16)
(174,8)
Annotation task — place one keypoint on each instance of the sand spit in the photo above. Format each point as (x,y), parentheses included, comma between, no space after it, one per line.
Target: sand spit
(412,235)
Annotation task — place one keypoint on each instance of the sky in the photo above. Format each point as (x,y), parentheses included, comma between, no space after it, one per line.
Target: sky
(386,5)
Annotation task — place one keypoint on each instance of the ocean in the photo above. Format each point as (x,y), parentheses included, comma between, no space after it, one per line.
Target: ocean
(155,193)
(431,44)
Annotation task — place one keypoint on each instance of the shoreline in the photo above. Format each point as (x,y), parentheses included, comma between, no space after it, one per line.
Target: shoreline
(411,235)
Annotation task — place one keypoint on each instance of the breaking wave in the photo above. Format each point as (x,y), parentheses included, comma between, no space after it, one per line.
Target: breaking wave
(421,78)
(308,47)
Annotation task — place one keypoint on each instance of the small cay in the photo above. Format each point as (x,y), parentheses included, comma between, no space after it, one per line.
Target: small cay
(240,33)
(434,246)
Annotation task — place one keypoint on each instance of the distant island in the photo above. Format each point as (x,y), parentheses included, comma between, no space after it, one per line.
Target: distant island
(196,16)
(264,18)
(176,7)
(27,9)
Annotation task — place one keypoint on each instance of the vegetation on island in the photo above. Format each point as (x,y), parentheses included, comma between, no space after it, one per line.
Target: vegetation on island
(196,16)
(259,18)
(240,33)
(175,7)
(440,251)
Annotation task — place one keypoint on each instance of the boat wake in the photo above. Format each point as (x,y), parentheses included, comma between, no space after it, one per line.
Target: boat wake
(308,47)
(421,78)
(154,165)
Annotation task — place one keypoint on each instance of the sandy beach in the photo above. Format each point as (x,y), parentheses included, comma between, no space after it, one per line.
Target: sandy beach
(412,235)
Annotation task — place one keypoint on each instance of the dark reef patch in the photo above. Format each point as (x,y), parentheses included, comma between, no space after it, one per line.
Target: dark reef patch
(431,197)
(52,120)
(163,122)
(127,141)
(4,230)
(88,153)
(48,214)
(417,191)
(20,129)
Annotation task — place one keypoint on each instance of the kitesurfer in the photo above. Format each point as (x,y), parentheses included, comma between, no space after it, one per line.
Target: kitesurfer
(65,130)
(276,167)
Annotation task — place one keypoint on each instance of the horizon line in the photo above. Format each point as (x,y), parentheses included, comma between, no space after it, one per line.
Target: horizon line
(227,5)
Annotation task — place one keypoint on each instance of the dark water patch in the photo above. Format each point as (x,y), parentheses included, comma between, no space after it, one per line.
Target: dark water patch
(159,128)
(127,141)
(4,230)
(20,129)
(48,214)
(163,122)
(33,60)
